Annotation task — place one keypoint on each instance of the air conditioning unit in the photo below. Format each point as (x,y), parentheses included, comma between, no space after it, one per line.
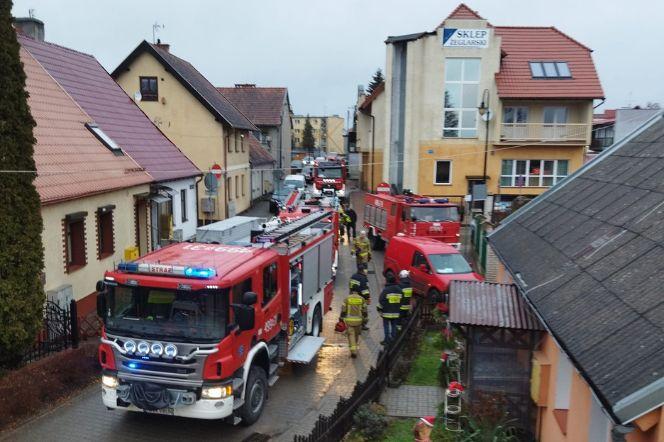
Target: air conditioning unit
(178,235)
(208,205)
(62,295)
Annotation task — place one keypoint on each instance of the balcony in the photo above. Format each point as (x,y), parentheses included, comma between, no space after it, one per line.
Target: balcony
(556,133)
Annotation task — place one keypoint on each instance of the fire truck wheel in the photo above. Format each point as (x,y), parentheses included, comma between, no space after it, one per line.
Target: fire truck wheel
(376,242)
(317,324)
(254,396)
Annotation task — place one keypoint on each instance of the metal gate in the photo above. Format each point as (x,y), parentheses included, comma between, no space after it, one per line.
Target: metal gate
(59,331)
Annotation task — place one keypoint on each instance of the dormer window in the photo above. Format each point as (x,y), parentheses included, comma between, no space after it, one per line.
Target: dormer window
(104,138)
(550,69)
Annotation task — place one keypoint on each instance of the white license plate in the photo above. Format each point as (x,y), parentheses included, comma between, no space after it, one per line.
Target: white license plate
(167,411)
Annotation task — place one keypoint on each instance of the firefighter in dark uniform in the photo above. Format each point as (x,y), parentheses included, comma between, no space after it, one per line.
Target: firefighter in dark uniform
(359,283)
(389,307)
(407,289)
(354,314)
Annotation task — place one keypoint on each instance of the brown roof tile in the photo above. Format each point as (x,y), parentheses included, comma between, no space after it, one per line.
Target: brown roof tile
(258,155)
(521,45)
(262,105)
(71,162)
(88,83)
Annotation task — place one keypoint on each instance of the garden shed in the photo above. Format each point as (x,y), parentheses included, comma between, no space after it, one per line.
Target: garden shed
(500,334)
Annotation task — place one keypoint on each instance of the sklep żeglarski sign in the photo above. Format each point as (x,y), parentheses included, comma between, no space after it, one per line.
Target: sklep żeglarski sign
(465,38)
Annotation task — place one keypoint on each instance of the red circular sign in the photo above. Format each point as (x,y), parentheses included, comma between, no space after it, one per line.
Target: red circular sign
(216,171)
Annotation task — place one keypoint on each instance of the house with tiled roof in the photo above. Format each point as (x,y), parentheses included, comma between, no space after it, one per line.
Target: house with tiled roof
(262,169)
(587,257)
(197,118)
(484,112)
(169,210)
(88,186)
(269,109)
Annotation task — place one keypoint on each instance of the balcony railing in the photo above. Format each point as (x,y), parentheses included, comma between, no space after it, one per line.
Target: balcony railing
(570,133)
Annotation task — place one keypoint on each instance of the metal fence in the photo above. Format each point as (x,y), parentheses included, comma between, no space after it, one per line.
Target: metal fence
(59,331)
(334,427)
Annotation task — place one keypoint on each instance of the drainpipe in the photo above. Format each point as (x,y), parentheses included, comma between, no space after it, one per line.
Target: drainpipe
(373,146)
(225,183)
(198,202)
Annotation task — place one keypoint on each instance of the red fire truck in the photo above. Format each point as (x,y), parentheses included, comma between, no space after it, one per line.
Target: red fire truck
(200,330)
(330,178)
(385,215)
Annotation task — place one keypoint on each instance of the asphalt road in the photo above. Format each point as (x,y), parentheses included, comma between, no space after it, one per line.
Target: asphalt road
(294,404)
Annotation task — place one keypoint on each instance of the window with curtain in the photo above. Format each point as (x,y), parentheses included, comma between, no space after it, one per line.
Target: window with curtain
(462,78)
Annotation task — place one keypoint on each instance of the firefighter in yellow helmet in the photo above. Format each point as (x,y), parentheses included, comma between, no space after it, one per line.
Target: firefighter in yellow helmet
(354,314)
(361,248)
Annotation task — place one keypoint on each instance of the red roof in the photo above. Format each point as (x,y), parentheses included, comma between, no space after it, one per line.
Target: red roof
(463,12)
(366,104)
(262,105)
(608,116)
(258,155)
(71,162)
(88,83)
(520,45)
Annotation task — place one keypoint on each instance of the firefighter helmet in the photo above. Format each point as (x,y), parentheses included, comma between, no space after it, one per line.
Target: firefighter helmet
(404,274)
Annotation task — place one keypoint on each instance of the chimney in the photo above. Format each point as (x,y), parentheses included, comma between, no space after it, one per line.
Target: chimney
(30,27)
(163,46)
(244,85)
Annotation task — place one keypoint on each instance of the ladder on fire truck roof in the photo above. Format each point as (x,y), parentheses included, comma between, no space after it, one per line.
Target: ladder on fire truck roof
(287,231)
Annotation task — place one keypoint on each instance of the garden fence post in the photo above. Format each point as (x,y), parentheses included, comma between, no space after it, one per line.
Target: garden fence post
(73,317)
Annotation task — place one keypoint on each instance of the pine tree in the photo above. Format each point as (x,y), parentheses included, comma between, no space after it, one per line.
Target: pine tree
(376,81)
(308,141)
(21,253)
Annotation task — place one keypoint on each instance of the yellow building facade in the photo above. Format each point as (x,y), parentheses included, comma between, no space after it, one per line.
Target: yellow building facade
(328,132)
(442,86)
(195,127)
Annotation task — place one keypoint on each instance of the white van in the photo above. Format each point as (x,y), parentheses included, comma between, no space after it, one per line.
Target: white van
(296,181)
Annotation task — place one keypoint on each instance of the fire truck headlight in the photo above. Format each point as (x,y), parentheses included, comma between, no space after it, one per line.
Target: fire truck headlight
(216,392)
(170,351)
(109,381)
(143,348)
(130,346)
(156,349)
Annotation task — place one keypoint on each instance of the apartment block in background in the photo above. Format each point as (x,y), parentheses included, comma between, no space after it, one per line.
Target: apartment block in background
(328,133)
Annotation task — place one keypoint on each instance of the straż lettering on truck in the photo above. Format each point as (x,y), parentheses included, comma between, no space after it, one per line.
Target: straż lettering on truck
(200,330)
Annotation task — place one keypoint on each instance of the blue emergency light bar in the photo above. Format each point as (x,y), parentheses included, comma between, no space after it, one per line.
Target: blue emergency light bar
(167,269)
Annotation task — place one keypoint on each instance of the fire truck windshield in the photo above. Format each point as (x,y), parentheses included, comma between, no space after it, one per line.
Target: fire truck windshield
(168,314)
(334,172)
(446,263)
(433,214)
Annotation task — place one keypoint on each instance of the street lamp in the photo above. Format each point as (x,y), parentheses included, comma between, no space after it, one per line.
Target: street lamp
(485,113)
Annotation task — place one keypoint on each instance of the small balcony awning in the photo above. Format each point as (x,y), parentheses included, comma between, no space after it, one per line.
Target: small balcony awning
(490,305)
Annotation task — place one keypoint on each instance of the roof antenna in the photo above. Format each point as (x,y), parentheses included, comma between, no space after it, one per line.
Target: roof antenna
(31,13)
(155,29)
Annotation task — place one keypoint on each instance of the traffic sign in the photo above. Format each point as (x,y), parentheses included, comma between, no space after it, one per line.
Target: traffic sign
(216,171)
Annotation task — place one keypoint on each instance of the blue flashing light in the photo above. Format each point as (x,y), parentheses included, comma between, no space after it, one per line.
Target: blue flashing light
(128,267)
(442,200)
(133,365)
(199,272)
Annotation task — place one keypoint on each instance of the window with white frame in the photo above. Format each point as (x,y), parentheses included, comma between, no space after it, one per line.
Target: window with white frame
(442,172)
(462,82)
(515,114)
(532,173)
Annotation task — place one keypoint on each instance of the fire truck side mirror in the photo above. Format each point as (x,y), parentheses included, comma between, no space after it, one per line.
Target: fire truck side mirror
(249,298)
(101,304)
(244,316)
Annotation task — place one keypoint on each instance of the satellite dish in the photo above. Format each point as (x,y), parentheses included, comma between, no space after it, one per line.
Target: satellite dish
(137,96)
(487,115)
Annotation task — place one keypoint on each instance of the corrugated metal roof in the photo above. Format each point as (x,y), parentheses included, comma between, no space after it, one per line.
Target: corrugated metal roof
(490,305)
(71,162)
(88,83)
(262,105)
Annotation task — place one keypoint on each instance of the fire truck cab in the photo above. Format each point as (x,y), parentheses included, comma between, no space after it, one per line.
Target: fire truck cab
(329,178)
(200,330)
(386,215)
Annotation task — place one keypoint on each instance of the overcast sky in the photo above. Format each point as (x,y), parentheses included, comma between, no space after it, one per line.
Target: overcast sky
(321,50)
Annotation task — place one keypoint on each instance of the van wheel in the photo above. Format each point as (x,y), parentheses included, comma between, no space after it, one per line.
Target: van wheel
(435,296)
(389,273)
(376,242)
(317,324)
(254,396)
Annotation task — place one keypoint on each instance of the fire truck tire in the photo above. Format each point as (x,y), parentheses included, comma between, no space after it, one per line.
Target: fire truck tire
(376,241)
(254,396)
(317,323)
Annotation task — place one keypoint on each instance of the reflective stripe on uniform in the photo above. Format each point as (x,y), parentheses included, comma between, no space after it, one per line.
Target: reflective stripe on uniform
(391,315)
(393,298)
